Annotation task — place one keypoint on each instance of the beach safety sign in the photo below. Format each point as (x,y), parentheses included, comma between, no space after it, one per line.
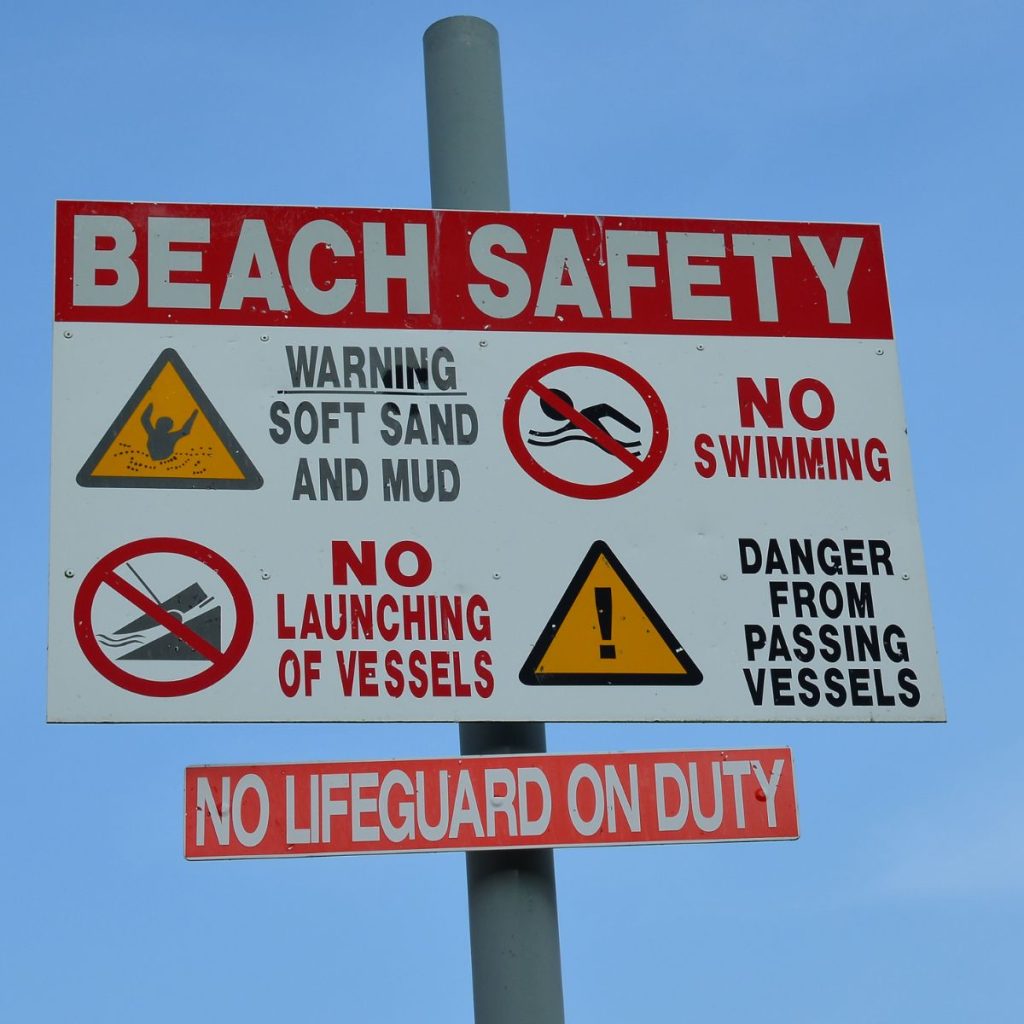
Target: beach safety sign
(319,464)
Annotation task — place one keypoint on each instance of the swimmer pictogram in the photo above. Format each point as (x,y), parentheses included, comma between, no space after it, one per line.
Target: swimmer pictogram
(168,434)
(554,407)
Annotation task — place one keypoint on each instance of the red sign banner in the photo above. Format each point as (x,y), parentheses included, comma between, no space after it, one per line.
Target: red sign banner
(270,266)
(479,803)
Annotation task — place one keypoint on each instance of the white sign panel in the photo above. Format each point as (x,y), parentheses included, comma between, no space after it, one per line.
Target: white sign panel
(365,465)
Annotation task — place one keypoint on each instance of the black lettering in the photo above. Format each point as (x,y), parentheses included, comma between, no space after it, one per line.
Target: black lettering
(882,699)
(755,637)
(392,432)
(750,555)
(836,695)
(911,695)
(859,695)
(881,557)
(810,692)
(301,362)
(756,688)
(781,681)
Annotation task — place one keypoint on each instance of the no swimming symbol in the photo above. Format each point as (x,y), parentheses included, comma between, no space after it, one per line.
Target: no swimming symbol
(629,434)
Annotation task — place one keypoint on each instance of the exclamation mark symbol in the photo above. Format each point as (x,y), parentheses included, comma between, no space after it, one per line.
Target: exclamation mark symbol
(603,598)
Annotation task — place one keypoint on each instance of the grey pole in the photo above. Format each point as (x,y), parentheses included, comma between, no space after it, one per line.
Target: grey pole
(513,915)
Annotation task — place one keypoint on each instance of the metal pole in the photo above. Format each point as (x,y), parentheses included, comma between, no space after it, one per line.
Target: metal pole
(513,914)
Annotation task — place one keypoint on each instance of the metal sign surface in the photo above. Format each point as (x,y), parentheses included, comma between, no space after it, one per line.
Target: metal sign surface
(488,803)
(385,465)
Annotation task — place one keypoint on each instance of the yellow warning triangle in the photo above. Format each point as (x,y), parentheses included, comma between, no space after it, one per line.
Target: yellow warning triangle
(169,435)
(605,631)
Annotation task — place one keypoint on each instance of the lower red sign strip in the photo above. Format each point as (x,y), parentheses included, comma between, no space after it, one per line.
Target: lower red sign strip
(477,803)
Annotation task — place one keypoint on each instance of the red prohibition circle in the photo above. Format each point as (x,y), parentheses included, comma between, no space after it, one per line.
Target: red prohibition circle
(102,573)
(638,473)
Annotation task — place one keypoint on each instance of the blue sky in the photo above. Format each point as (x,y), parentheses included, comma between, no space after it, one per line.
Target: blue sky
(904,898)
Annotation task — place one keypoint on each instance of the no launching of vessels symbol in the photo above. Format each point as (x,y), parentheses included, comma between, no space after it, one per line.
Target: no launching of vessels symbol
(187,629)
(166,646)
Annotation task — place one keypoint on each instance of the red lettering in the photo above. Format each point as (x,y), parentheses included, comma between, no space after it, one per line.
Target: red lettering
(796,404)
(284,631)
(421,572)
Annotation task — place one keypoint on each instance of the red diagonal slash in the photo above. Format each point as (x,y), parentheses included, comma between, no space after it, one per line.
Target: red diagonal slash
(163,617)
(589,427)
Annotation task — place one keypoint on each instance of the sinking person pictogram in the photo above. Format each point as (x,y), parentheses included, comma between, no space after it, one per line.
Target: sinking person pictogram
(168,434)
(146,640)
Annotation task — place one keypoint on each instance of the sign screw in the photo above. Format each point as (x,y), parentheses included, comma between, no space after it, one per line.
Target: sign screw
(264,575)
(497,575)
(906,575)
(700,348)
(67,334)
(879,351)
(483,343)
(723,576)
(264,337)
(69,574)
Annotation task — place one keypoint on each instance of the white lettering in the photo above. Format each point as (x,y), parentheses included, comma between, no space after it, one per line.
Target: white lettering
(683,275)
(253,247)
(218,810)
(736,770)
(380,266)
(406,828)
(764,249)
(89,259)
(707,822)
(565,260)
(503,803)
(329,807)
(533,826)
(834,279)
(515,280)
(254,836)
(623,277)
(629,803)
(338,295)
(163,261)
(432,832)
(584,826)
(465,811)
(362,805)
(671,773)
(291,833)
(770,786)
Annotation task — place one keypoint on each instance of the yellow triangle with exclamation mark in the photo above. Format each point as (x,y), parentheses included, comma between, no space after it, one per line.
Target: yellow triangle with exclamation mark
(605,631)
